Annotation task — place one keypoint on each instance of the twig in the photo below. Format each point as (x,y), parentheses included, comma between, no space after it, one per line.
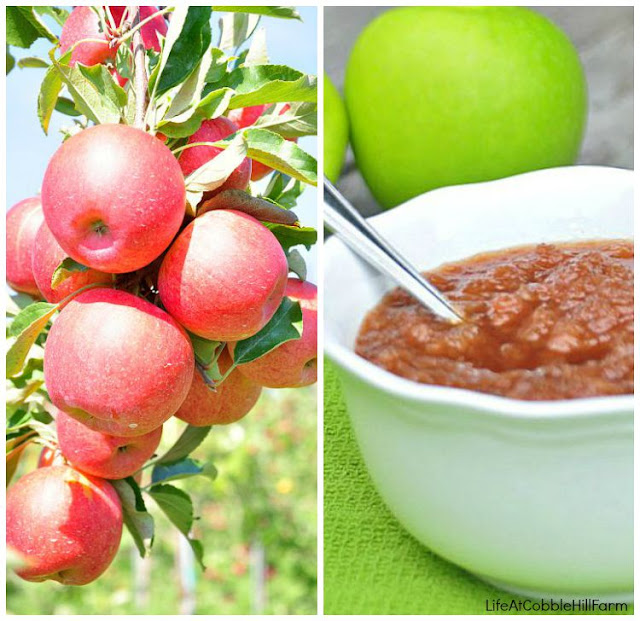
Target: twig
(125,35)
(140,79)
(111,21)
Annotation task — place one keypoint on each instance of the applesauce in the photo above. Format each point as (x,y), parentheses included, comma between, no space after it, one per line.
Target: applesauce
(552,321)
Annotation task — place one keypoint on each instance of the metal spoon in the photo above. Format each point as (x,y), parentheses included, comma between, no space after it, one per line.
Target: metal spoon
(347,223)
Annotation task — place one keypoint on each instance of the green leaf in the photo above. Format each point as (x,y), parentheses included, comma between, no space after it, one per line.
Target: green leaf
(214,104)
(19,436)
(177,506)
(204,350)
(188,39)
(280,154)
(31,367)
(25,329)
(190,440)
(283,12)
(66,106)
(240,58)
(266,84)
(124,61)
(297,264)
(103,81)
(285,325)
(257,54)
(129,110)
(42,416)
(32,62)
(182,469)
(193,200)
(71,130)
(13,459)
(137,519)
(32,372)
(219,63)
(290,236)
(18,395)
(183,108)
(206,353)
(236,28)
(16,303)
(210,373)
(216,171)
(32,313)
(153,65)
(24,27)
(58,14)
(33,407)
(48,96)
(301,119)
(210,107)
(67,268)
(211,104)
(284,190)
(94,91)
(19,420)
(180,102)
(260,208)
(11,61)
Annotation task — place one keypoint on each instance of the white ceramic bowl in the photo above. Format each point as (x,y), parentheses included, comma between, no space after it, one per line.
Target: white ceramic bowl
(535,497)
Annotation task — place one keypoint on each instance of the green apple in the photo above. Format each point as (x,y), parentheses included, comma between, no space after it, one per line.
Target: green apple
(336,131)
(440,96)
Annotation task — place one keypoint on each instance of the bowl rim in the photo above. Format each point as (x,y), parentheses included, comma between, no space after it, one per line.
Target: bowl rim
(504,407)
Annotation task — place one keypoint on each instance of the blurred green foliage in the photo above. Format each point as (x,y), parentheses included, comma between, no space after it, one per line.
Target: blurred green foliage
(264,499)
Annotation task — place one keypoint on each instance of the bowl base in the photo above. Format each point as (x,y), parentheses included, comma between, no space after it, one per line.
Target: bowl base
(603,598)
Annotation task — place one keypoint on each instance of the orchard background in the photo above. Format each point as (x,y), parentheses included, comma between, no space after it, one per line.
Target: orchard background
(257,519)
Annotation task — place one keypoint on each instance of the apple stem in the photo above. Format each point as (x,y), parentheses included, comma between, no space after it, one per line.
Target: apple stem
(93,285)
(218,353)
(205,377)
(226,374)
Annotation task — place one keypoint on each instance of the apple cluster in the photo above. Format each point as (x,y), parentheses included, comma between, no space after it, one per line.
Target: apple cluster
(143,278)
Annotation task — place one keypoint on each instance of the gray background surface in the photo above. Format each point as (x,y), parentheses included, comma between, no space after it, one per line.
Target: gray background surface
(604,39)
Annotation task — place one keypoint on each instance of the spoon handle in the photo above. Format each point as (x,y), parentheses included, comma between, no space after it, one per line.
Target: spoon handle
(347,223)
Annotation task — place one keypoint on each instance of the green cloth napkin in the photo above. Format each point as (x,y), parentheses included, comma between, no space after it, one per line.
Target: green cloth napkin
(371,564)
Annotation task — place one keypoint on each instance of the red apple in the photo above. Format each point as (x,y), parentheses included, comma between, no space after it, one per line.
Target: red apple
(294,363)
(224,276)
(245,117)
(83,23)
(65,526)
(117,363)
(109,457)
(47,256)
(151,30)
(114,197)
(50,457)
(228,403)
(23,221)
(118,78)
(211,131)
